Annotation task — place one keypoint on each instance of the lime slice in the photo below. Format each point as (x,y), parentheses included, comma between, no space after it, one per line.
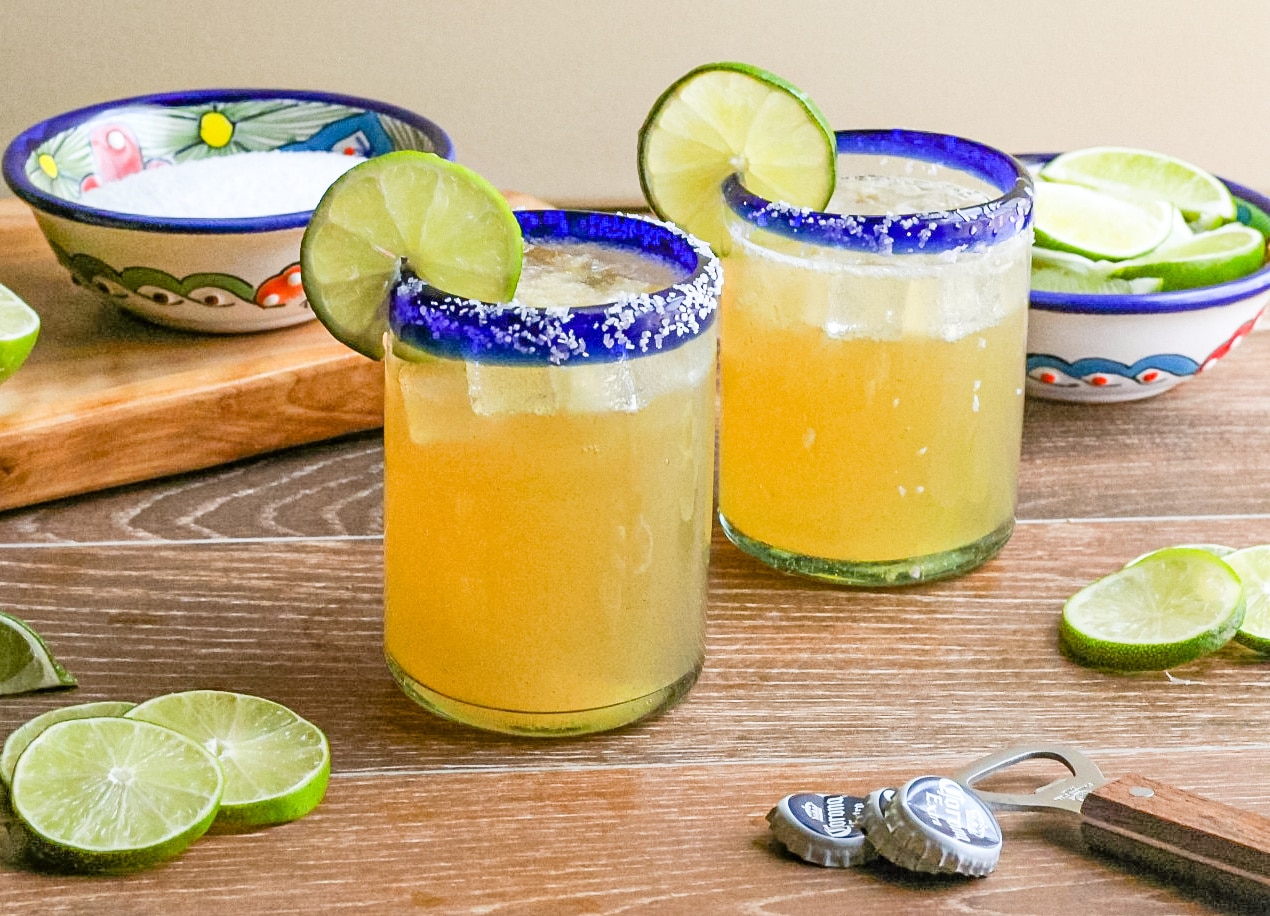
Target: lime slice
(1170,607)
(1253,566)
(1206,259)
(24,734)
(726,118)
(113,794)
(1217,550)
(26,664)
(1096,225)
(1060,280)
(1145,175)
(445,222)
(1066,260)
(19,328)
(276,764)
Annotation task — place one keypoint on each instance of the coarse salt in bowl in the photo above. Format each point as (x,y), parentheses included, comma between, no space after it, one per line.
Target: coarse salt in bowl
(187,208)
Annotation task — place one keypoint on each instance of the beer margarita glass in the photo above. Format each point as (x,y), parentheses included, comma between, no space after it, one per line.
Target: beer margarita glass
(549,480)
(872,363)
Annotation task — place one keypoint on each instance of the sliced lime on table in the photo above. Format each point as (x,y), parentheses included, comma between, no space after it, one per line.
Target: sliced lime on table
(276,764)
(1253,566)
(113,794)
(445,222)
(1137,173)
(19,329)
(1205,259)
(1217,550)
(726,118)
(25,733)
(1073,218)
(26,664)
(1169,607)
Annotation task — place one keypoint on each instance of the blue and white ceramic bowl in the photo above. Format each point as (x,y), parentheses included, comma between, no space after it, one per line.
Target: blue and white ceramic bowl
(1104,348)
(222,275)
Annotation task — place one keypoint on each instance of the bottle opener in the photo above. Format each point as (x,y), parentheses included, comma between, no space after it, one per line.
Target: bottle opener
(1184,836)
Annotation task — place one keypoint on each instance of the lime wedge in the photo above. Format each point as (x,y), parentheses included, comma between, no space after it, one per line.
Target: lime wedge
(1169,607)
(25,733)
(726,118)
(1145,175)
(1205,259)
(445,222)
(276,764)
(26,664)
(1060,280)
(19,328)
(1253,566)
(1066,260)
(113,794)
(1072,218)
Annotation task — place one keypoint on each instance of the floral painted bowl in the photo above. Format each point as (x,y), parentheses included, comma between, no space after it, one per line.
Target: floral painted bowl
(1100,348)
(230,274)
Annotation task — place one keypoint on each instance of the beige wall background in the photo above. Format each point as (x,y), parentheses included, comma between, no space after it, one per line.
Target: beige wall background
(547,96)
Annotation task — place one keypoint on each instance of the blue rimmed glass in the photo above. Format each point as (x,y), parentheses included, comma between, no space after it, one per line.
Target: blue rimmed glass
(548,486)
(872,364)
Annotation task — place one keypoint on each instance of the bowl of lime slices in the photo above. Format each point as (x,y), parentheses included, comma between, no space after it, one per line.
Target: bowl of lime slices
(187,208)
(1146,270)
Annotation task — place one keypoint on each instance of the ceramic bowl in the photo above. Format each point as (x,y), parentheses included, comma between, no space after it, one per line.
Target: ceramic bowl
(230,275)
(1105,348)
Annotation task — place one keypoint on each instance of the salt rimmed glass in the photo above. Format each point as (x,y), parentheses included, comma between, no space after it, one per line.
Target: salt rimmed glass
(872,366)
(548,491)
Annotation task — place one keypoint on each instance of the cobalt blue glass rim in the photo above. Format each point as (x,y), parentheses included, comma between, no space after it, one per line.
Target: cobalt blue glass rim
(432,320)
(1179,300)
(916,233)
(15,156)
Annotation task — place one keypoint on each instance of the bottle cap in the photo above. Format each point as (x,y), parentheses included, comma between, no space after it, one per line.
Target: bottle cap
(933,824)
(822,829)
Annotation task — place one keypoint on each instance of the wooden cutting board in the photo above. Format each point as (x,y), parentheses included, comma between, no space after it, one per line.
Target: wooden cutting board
(107,399)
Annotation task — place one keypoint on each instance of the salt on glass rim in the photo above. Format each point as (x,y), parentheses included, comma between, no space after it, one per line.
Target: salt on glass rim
(436,322)
(936,232)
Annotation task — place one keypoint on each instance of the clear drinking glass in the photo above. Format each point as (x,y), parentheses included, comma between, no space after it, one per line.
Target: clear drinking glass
(872,363)
(549,481)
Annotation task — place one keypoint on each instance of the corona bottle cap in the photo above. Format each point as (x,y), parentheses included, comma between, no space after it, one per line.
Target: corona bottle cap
(822,829)
(933,824)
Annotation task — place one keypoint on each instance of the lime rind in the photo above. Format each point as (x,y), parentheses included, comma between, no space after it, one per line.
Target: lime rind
(277,765)
(1252,564)
(1164,610)
(445,222)
(113,794)
(25,733)
(26,664)
(726,118)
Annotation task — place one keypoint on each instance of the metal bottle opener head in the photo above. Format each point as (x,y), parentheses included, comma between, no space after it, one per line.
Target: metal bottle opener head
(1065,794)
(1186,837)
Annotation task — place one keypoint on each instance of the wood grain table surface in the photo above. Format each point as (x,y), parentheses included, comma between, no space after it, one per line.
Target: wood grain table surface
(265,577)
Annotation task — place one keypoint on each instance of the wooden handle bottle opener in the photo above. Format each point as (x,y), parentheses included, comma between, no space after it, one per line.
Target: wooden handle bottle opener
(1189,838)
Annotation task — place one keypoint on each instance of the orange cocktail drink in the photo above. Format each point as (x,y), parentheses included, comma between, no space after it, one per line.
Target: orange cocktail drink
(872,364)
(549,481)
